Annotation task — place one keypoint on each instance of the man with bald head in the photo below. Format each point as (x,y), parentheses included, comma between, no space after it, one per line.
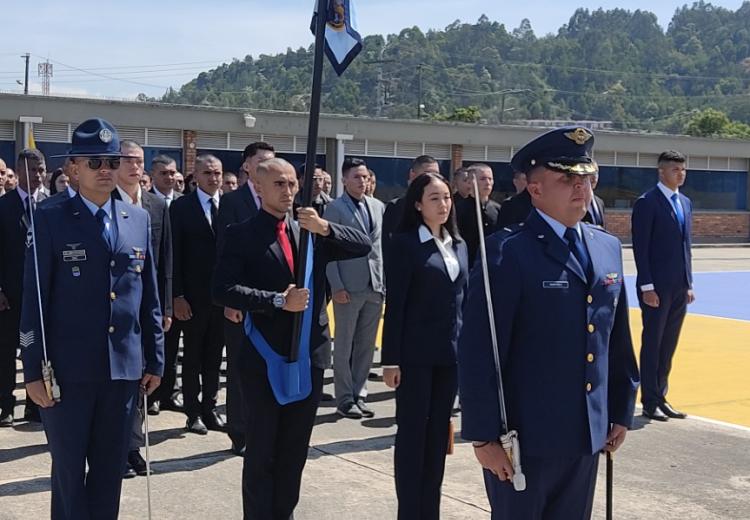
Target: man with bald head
(255,275)
(195,221)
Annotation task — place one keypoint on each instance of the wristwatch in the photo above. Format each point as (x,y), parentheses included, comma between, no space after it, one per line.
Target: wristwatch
(279,300)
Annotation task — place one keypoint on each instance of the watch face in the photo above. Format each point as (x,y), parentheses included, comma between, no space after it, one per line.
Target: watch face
(279,300)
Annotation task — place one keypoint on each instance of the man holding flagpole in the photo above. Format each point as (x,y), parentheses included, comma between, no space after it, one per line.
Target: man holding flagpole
(255,274)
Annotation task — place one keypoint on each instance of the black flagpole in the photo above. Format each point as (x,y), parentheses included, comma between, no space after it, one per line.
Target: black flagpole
(310,160)
(610,472)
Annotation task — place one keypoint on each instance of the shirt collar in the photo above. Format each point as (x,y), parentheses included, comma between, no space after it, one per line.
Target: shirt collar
(169,195)
(71,192)
(126,197)
(205,197)
(667,191)
(93,208)
(425,235)
(557,226)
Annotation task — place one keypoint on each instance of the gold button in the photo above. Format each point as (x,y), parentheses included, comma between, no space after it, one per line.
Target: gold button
(590,358)
(589,298)
(111,329)
(588,387)
(591,328)
(112,296)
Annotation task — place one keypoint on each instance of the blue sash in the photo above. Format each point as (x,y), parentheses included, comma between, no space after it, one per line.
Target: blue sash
(290,382)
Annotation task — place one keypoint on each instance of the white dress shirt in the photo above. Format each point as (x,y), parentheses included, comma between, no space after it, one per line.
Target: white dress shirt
(168,197)
(126,197)
(205,200)
(445,246)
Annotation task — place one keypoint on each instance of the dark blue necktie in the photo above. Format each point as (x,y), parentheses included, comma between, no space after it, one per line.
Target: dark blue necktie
(578,249)
(100,215)
(678,212)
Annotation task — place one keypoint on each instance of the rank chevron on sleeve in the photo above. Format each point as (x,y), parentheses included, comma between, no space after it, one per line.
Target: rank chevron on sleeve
(26,338)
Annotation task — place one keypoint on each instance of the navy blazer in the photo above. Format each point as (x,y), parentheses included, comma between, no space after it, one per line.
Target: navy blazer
(661,249)
(558,333)
(101,309)
(423,308)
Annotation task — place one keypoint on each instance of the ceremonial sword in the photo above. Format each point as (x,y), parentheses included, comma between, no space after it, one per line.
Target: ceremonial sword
(48,374)
(509,440)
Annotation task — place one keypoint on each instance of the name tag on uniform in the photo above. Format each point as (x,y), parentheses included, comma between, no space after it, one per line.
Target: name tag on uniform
(74,255)
(555,284)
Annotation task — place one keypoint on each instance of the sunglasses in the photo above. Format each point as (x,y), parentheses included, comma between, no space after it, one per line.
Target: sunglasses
(96,163)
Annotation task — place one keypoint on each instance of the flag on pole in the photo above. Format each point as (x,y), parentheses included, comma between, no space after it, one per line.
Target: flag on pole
(30,142)
(343,41)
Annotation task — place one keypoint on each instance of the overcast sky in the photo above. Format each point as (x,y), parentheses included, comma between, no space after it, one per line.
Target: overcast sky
(150,45)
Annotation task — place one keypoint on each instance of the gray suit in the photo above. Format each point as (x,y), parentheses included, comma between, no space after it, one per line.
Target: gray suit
(356,321)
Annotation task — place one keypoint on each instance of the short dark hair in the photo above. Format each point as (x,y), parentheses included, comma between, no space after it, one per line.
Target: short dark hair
(253,148)
(130,143)
(352,162)
(671,156)
(412,218)
(31,154)
(423,159)
(52,187)
(460,172)
(301,170)
(163,159)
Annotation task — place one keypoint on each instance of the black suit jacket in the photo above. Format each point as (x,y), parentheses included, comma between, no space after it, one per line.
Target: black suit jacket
(602,220)
(423,315)
(394,212)
(194,251)
(515,210)
(466,215)
(161,245)
(235,207)
(13,227)
(251,269)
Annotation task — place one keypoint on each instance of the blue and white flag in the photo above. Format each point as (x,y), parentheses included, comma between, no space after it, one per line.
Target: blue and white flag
(343,41)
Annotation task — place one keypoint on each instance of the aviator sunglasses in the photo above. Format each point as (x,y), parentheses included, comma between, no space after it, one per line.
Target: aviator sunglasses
(96,163)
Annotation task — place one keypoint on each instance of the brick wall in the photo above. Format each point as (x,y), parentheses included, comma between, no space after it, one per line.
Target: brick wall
(706,225)
(457,157)
(190,150)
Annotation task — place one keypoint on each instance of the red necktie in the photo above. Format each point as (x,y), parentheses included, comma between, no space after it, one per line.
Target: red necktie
(286,245)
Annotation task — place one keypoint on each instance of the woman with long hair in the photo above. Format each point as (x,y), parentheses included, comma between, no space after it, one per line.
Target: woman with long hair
(425,281)
(59,182)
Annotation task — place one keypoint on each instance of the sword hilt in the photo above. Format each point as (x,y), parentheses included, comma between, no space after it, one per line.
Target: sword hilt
(50,382)
(512,448)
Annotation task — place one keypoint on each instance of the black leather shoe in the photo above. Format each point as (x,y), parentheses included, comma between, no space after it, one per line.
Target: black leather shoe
(238,449)
(136,462)
(366,410)
(195,425)
(671,412)
(154,408)
(129,472)
(350,411)
(213,421)
(172,404)
(31,415)
(655,414)
(6,420)
(325,396)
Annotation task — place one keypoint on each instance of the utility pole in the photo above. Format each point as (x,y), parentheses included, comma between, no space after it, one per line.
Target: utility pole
(26,56)
(419,102)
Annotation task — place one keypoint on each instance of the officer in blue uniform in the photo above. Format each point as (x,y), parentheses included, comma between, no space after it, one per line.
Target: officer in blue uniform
(565,350)
(102,325)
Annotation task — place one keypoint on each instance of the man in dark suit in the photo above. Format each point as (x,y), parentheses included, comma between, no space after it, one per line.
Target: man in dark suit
(163,176)
(128,189)
(595,212)
(255,275)
(320,199)
(96,252)
(661,227)
(237,207)
(15,208)
(194,228)
(567,361)
(394,210)
(466,213)
(516,209)
(3,176)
